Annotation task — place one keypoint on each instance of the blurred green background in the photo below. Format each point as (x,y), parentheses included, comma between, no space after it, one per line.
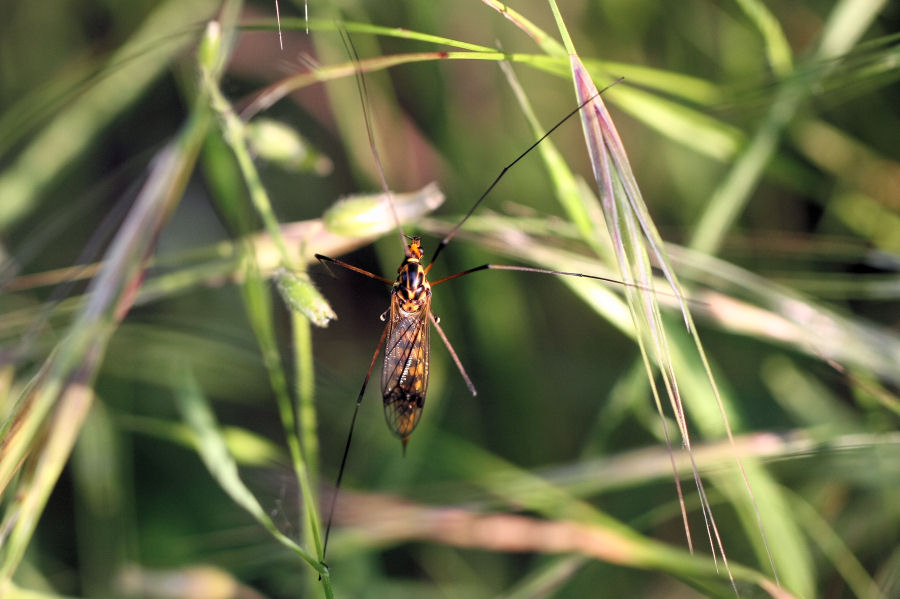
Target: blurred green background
(782,114)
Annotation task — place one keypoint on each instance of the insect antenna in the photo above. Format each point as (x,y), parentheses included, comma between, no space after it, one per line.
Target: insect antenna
(363,91)
(563,273)
(449,236)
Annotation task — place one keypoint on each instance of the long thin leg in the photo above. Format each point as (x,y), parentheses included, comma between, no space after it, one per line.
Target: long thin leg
(363,91)
(371,275)
(340,476)
(537,270)
(581,275)
(453,355)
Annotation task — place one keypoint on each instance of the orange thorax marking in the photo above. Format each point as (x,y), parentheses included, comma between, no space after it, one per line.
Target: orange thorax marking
(412,288)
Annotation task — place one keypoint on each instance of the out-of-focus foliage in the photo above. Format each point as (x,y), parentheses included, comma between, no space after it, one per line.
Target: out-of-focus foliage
(763,137)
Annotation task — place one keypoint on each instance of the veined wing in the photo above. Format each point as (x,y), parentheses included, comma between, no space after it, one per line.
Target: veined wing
(404,379)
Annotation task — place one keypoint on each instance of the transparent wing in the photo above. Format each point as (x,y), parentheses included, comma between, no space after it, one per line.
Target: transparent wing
(404,379)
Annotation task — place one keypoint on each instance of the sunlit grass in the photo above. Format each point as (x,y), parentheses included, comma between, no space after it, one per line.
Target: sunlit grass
(209,415)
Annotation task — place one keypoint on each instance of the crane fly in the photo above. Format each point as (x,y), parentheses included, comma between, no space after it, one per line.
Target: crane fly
(406,335)
(404,377)
(406,338)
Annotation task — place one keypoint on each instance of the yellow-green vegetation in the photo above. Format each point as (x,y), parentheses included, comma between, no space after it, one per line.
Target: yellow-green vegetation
(178,372)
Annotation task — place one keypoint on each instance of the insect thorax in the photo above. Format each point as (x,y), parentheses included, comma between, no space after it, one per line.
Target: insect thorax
(412,289)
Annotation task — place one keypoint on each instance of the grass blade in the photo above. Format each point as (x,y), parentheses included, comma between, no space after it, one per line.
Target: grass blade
(214,452)
(130,71)
(846,23)
(68,373)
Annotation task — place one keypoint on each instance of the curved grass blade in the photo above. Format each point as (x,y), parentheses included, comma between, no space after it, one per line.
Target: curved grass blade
(129,72)
(630,227)
(845,25)
(69,371)
(297,292)
(214,452)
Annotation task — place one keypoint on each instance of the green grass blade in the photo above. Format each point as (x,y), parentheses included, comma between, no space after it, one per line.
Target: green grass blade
(23,514)
(130,71)
(633,244)
(235,133)
(70,369)
(797,306)
(307,420)
(777,49)
(213,451)
(297,291)
(846,23)
(348,224)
